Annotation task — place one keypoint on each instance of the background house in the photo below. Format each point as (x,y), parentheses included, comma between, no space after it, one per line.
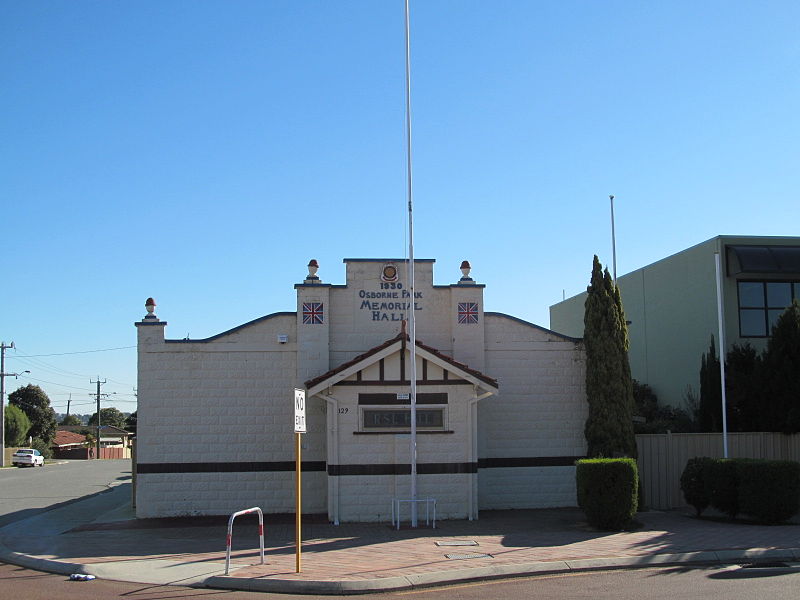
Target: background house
(672,306)
(69,444)
(114,442)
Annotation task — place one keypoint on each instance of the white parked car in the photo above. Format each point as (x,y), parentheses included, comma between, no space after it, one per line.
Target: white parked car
(27,457)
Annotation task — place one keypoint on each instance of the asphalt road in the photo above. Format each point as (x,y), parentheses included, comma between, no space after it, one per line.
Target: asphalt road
(726,583)
(25,492)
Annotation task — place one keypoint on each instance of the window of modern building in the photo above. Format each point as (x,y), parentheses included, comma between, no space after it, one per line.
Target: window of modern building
(761,303)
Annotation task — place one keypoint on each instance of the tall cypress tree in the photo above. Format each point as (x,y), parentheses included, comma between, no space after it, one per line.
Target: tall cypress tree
(609,387)
(710,410)
(744,389)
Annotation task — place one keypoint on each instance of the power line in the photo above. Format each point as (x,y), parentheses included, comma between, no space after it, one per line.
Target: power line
(120,382)
(33,361)
(45,366)
(41,365)
(80,352)
(74,403)
(60,384)
(51,394)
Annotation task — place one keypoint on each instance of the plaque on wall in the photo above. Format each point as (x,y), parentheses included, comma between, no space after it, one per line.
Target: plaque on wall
(389,273)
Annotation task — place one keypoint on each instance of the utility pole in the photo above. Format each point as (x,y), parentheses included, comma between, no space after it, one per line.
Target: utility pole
(3,402)
(68,401)
(3,376)
(98,382)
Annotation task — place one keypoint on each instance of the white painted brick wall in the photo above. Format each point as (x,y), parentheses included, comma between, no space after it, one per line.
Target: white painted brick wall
(192,494)
(526,487)
(368,498)
(540,411)
(224,401)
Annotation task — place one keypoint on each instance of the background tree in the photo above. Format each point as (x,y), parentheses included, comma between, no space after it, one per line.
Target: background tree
(43,447)
(32,400)
(658,418)
(131,422)
(609,387)
(743,388)
(109,416)
(710,409)
(782,372)
(16,425)
(70,420)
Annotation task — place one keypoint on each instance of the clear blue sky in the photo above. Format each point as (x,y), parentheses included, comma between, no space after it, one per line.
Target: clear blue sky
(202,152)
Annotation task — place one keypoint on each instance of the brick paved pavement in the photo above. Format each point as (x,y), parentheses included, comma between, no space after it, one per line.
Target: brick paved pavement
(97,535)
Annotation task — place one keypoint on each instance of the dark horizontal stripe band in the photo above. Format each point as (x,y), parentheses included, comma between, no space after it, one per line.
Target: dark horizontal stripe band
(403,469)
(229,467)
(405,382)
(423,398)
(338,470)
(404,432)
(528,461)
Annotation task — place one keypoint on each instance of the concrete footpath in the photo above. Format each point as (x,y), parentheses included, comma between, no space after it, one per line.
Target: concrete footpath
(99,535)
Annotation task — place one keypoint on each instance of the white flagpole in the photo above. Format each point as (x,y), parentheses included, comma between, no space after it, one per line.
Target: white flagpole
(411,326)
(721,324)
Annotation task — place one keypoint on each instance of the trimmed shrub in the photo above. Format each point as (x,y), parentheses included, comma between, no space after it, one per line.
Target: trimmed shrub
(695,484)
(607,491)
(769,490)
(723,485)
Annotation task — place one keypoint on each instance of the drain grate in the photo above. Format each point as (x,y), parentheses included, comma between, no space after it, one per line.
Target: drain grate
(467,556)
(457,543)
(766,565)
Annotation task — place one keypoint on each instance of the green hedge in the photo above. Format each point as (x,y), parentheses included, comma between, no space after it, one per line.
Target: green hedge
(607,491)
(767,490)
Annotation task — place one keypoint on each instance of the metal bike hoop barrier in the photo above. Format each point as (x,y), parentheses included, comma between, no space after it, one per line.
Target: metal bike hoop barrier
(428,502)
(229,539)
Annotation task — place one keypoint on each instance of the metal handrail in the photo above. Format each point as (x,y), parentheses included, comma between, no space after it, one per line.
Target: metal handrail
(230,534)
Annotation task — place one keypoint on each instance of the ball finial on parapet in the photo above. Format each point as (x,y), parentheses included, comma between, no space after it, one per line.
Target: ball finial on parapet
(465,270)
(313,266)
(150,305)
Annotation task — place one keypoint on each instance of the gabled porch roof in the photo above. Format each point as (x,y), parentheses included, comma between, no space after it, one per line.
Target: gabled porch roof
(398,344)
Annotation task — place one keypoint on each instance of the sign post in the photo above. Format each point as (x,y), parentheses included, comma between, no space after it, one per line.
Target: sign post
(299,428)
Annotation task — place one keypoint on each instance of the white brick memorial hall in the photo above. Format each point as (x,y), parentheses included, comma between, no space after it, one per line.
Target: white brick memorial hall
(501,404)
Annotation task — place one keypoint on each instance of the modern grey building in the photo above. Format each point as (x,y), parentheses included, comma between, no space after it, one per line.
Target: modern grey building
(672,306)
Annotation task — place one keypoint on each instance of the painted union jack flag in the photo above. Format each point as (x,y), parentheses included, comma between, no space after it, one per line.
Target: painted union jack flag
(312,313)
(467,312)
